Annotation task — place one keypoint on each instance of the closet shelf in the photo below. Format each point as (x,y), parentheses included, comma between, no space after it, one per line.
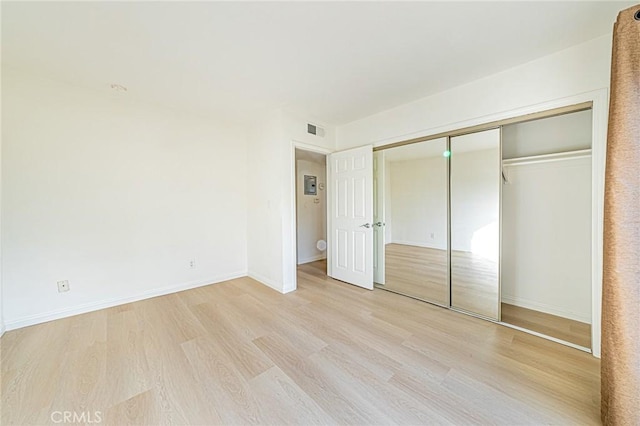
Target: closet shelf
(547,158)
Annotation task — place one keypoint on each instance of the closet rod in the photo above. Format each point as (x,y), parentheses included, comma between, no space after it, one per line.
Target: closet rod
(547,158)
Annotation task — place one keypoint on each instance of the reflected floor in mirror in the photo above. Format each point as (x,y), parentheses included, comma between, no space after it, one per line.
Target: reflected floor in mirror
(566,329)
(419,272)
(474,284)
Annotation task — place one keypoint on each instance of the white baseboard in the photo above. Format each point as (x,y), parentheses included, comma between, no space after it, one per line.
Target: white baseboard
(312,259)
(547,309)
(288,290)
(264,280)
(2,328)
(95,306)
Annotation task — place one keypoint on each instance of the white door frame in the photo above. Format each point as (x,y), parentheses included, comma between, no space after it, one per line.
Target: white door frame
(599,125)
(290,260)
(379,207)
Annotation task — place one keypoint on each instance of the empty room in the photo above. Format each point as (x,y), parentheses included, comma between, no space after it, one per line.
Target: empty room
(295,213)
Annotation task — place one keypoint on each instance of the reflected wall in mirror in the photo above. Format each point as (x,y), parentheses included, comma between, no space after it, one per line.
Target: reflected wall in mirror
(475,222)
(411,201)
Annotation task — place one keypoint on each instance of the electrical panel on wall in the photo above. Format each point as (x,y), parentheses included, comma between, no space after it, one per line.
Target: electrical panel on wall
(310,187)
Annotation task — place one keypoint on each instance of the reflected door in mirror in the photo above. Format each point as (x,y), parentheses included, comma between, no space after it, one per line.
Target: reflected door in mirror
(413,181)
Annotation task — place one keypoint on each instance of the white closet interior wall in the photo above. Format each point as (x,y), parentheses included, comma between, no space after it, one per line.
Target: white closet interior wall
(546,221)
(568,132)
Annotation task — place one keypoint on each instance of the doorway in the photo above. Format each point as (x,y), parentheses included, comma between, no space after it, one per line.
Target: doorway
(311,212)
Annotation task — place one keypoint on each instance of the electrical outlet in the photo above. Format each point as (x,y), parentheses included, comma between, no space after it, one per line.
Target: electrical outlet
(192,264)
(433,235)
(63,286)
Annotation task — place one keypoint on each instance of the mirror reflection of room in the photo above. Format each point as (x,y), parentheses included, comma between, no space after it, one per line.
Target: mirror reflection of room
(512,205)
(411,194)
(475,222)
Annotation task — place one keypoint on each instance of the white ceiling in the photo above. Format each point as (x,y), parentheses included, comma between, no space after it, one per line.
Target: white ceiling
(334,61)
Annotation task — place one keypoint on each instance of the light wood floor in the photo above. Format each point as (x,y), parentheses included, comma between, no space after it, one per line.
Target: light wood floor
(422,272)
(329,353)
(417,271)
(551,325)
(474,284)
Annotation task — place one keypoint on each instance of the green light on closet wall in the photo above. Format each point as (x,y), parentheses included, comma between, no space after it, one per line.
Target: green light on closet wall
(446,154)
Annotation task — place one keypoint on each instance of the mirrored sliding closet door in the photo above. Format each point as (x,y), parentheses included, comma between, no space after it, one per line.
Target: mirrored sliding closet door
(495,223)
(475,182)
(411,213)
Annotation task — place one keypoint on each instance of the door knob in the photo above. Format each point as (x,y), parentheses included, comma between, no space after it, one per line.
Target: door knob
(378,224)
(366,225)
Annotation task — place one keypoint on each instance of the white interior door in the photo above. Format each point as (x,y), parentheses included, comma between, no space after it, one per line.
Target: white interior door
(351,216)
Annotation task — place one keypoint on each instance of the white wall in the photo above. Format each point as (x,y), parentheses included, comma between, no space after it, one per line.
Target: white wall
(115,196)
(264,194)
(566,132)
(475,202)
(272,201)
(579,69)
(546,238)
(418,202)
(311,215)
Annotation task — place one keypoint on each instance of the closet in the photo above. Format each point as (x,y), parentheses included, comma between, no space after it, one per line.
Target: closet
(494,222)
(546,227)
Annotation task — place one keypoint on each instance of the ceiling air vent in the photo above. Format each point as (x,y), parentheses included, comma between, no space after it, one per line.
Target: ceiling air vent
(312,129)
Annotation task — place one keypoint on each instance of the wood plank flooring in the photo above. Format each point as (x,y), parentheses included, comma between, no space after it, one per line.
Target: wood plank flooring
(417,271)
(474,284)
(329,353)
(561,328)
(421,272)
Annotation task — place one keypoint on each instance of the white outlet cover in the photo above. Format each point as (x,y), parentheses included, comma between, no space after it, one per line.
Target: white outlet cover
(63,286)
